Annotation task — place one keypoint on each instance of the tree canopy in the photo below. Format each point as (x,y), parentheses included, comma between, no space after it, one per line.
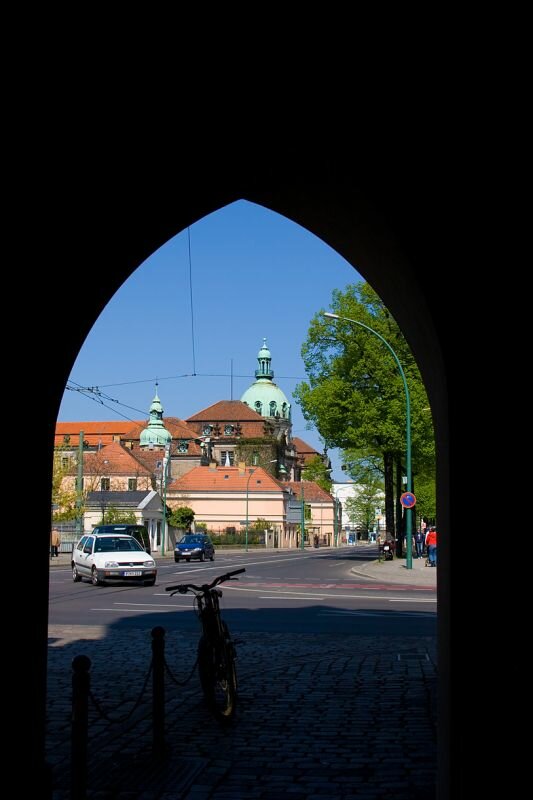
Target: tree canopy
(355,395)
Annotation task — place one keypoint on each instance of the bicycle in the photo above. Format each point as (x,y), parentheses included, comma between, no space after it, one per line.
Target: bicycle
(216,649)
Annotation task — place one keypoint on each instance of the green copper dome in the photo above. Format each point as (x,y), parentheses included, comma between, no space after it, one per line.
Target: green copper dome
(264,396)
(155,434)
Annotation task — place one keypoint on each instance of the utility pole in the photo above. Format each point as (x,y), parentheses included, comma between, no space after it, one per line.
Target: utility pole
(302,522)
(79,489)
(164,488)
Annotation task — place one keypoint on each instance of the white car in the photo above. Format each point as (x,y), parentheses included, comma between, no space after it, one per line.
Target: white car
(105,557)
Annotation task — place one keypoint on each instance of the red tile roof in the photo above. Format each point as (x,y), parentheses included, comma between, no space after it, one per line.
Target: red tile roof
(96,433)
(303,449)
(226,479)
(226,411)
(313,493)
(114,459)
(93,432)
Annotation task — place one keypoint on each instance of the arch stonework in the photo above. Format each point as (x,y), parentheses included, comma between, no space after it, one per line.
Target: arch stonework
(388,221)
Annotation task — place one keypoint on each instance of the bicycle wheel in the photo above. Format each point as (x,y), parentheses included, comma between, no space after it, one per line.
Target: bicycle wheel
(216,667)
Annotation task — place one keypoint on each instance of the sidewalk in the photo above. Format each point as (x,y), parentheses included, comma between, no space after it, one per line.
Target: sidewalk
(320,716)
(396,571)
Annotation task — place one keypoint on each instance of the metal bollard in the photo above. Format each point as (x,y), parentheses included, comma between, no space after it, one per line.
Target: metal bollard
(80,723)
(158,690)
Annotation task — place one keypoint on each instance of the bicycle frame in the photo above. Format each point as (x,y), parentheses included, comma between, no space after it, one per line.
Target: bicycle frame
(216,649)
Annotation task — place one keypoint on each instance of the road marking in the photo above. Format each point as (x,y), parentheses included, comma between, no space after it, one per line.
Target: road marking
(324,595)
(355,613)
(285,598)
(136,610)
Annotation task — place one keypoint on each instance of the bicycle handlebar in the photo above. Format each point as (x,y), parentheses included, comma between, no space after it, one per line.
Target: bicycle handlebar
(182,588)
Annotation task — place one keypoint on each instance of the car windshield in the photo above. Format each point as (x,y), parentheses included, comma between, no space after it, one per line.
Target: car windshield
(191,540)
(112,544)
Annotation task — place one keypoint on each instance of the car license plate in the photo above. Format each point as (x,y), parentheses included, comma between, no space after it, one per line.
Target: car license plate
(132,573)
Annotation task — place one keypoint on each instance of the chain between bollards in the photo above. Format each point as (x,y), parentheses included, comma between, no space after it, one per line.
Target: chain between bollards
(158,691)
(80,722)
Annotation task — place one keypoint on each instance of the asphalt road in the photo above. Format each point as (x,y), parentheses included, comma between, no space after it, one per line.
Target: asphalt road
(305,592)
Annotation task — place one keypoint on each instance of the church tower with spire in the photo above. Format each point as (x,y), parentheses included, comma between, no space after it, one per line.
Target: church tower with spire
(155,435)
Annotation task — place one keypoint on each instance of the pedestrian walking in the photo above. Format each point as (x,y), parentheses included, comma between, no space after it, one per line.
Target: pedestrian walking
(55,541)
(431,544)
(419,544)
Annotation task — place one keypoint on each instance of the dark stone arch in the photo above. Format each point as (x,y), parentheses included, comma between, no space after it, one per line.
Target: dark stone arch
(110,218)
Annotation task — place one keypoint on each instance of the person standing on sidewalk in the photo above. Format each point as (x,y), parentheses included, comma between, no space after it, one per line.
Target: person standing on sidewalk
(55,541)
(419,544)
(431,544)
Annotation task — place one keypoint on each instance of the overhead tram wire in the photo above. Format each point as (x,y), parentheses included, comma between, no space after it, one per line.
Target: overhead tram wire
(192,306)
(93,393)
(197,375)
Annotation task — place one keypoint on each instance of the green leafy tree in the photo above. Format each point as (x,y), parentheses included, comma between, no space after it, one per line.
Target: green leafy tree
(315,470)
(426,497)
(355,395)
(63,500)
(181,517)
(113,516)
(361,508)
(260,524)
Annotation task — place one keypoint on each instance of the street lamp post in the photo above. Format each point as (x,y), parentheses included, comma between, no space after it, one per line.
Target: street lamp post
(164,487)
(247,485)
(408,511)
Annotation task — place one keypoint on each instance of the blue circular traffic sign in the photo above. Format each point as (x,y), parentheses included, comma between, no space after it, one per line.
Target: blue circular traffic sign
(408,500)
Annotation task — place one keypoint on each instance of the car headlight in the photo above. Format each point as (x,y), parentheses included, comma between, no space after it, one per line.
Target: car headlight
(149,563)
(109,564)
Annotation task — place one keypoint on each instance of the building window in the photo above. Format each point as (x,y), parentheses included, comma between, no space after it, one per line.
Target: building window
(284,410)
(116,437)
(228,430)
(183,446)
(272,408)
(255,459)
(132,484)
(206,430)
(258,406)
(65,460)
(66,439)
(227,458)
(105,483)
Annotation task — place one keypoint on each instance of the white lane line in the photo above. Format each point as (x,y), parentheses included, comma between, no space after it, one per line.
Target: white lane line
(340,612)
(228,567)
(285,598)
(136,610)
(153,605)
(345,596)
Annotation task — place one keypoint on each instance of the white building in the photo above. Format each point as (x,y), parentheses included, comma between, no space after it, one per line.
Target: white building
(342,491)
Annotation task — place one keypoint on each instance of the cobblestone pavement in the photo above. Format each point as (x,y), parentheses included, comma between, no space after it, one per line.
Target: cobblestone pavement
(320,716)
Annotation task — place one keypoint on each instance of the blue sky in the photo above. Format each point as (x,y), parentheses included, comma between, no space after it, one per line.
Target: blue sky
(252,274)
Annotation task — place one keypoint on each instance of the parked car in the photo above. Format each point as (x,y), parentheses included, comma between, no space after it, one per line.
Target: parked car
(194,545)
(105,557)
(138,532)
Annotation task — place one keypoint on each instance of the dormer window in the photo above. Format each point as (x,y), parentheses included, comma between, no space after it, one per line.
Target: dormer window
(183,446)
(206,430)
(228,430)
